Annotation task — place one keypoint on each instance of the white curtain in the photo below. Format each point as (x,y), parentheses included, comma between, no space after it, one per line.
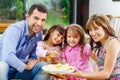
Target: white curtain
(115,23)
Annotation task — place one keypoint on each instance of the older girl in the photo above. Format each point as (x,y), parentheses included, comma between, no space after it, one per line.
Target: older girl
(48,49)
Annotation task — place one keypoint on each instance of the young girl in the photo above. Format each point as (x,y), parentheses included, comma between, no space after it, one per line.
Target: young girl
(48,49)
(104,41)
(76,52)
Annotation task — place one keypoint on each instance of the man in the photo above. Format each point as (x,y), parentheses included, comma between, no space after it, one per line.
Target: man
(18,45)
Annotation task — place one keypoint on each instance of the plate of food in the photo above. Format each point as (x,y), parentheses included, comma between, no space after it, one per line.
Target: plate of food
(58,68)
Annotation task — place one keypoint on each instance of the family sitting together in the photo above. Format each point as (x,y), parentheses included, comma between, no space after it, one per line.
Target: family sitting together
(23,51)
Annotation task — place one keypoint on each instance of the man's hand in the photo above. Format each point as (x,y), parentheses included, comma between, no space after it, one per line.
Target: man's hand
(30,64)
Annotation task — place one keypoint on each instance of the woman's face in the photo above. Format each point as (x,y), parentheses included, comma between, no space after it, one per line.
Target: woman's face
(56,37)
(72,39)
(97,33)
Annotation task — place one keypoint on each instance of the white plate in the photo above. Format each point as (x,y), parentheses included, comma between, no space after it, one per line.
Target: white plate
(58,68)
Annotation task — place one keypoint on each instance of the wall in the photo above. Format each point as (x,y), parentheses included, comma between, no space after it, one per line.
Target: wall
(104,7)
(107,7)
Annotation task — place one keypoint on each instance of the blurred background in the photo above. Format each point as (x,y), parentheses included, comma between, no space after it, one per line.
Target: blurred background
(60,11)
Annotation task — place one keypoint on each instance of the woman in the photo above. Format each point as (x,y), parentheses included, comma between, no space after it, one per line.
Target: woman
(106,45)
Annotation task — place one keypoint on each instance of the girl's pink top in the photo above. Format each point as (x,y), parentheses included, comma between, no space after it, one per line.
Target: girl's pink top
(72,56)
(42,49)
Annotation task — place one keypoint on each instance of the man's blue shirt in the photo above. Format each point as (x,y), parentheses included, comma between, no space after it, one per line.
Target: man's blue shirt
(16,47)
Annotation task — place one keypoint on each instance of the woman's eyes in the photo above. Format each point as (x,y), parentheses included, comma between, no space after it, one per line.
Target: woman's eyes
(96,28)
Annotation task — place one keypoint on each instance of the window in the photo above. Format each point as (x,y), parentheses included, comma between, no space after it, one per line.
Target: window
(58,11)
(14,10)
(10,11)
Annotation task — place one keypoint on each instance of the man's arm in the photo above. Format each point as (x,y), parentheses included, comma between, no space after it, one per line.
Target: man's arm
(10,40)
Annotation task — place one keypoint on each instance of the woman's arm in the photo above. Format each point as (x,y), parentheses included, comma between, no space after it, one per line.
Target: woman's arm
(112,50)
(93,56)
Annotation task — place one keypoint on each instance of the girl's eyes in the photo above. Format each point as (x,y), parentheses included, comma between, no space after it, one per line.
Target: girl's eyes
(58,34)
(72,36)
(68,36)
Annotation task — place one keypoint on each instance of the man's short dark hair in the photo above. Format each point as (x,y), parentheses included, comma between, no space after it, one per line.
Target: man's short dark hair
(40,7)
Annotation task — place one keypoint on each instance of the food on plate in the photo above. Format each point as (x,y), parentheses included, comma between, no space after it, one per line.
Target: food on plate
(58,68)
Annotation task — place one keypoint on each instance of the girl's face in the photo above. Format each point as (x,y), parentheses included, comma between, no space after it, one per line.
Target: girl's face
(56,37)
(72,38)
(97,33)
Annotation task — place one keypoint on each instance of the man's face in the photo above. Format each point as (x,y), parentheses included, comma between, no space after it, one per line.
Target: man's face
(36,21)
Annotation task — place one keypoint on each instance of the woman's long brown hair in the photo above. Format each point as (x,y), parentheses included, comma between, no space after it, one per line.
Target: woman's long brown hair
(104,22)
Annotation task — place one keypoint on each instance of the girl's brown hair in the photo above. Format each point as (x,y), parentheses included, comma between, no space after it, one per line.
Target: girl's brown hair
(58,27)
(77,30)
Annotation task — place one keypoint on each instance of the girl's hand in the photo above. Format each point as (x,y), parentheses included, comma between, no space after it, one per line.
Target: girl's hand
(54,60)
(52,57)
(53,54)
(42,59)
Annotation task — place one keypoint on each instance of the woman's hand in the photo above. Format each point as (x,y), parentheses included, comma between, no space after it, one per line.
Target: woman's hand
(76,74)
(62,77)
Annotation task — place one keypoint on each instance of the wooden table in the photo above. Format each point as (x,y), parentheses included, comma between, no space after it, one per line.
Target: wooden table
(3,26)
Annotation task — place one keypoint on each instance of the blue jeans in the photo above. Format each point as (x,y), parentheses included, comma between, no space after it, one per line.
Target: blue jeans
(35,74)
(3,70)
